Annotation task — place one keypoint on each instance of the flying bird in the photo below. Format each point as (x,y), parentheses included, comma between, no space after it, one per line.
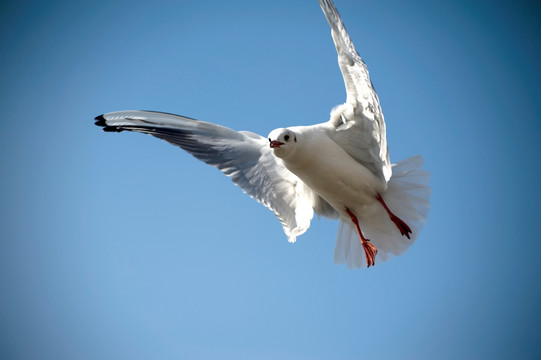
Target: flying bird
(338,169)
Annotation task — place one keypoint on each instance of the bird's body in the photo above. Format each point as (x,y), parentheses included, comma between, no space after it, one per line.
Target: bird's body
(343,184)
(338,169)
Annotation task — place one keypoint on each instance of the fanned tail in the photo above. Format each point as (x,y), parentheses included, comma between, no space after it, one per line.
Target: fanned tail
(408,196)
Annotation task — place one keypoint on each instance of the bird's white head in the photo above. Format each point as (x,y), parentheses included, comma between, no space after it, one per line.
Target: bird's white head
(283,142)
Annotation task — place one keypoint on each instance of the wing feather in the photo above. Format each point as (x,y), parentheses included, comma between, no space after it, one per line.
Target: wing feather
(243,156)
(358,125)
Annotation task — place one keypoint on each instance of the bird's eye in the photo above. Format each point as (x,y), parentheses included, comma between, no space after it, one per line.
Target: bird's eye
(286,138)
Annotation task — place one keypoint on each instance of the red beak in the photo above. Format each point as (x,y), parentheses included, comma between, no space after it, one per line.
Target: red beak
(275,144)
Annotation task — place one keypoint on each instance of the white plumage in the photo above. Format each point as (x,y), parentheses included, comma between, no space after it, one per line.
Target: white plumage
(337,169)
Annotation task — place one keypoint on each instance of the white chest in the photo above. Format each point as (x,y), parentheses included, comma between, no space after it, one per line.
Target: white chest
(333,174)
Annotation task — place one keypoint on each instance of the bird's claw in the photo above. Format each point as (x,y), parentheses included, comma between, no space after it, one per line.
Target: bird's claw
(370,252)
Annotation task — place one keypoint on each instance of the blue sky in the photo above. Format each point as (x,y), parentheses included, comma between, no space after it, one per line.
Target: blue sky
(122,246)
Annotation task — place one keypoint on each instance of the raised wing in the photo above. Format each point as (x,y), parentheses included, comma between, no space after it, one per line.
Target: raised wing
(358,124)
(243,156)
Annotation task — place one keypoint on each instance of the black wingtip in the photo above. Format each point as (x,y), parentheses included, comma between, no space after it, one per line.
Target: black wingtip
(100,121)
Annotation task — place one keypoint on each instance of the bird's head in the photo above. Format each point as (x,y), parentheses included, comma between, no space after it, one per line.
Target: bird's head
(283,142)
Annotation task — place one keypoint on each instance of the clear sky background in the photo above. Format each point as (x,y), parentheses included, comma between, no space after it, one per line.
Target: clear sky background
(121,246)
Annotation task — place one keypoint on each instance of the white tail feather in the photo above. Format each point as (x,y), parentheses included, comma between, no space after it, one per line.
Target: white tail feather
(408,197)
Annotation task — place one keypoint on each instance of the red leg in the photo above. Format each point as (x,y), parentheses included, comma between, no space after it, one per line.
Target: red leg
(401,225)
(370,250)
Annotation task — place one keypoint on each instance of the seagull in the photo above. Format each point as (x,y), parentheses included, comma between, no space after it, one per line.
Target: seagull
(339,169)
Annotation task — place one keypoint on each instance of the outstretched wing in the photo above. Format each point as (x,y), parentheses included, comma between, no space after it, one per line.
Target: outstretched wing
(243,156)
(358,124)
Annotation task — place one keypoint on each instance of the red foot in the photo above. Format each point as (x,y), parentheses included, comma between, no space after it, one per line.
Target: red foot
(370,250)
(370,253)
(401,225)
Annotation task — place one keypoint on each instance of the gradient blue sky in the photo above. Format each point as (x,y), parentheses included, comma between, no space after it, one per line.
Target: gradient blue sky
(117,246)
